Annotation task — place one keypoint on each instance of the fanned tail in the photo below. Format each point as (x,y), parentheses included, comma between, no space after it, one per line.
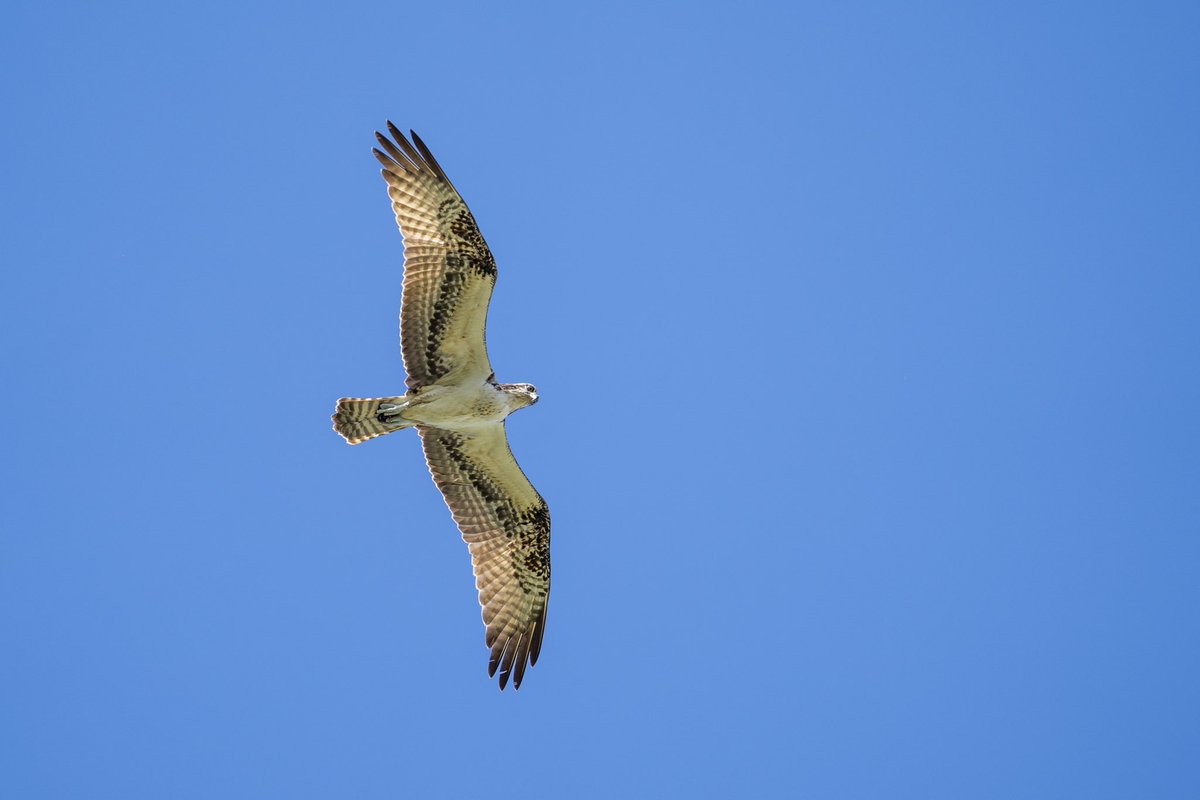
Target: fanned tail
(358,419)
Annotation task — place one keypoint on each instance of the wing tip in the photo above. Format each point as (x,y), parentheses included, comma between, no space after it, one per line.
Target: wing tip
(414,150)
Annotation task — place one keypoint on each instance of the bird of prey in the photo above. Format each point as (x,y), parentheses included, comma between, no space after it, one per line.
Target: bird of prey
(456,405)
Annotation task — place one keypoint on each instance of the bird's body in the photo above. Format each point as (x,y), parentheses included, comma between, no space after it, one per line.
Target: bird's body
(468,406)
(452,406)
(457,406)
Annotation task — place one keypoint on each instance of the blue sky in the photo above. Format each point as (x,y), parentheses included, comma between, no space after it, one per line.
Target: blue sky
(866,337)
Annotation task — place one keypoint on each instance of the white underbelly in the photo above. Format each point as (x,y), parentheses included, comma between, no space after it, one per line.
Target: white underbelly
(447,407)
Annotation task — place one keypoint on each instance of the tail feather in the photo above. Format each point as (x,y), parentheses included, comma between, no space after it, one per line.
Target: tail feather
(358,419)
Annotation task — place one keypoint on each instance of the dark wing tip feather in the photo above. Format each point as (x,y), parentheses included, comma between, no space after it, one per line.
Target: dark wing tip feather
(494,659)
(409,151)
(394,131)
(501,659)
(428,156)
(388,164)
(396,154)
(535,648)
(522,659)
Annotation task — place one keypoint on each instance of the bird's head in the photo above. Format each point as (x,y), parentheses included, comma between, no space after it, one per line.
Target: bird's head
(522,394)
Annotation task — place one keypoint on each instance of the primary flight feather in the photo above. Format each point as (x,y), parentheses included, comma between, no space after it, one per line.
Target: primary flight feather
(456,405)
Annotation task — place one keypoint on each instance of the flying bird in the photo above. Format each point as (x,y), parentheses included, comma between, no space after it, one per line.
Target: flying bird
(457,406)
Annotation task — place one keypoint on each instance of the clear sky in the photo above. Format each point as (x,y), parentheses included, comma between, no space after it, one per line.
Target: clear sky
(867,344)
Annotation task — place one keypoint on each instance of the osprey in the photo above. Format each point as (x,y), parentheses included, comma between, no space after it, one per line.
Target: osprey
(456,405)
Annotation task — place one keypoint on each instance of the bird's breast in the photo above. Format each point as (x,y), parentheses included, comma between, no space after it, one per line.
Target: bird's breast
(458,406)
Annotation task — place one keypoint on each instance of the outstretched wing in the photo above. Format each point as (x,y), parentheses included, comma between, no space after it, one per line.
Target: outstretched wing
(506,524)
(448,270)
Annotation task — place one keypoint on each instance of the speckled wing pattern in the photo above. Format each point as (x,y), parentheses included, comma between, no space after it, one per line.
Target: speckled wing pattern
(449,272)
(506,524)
